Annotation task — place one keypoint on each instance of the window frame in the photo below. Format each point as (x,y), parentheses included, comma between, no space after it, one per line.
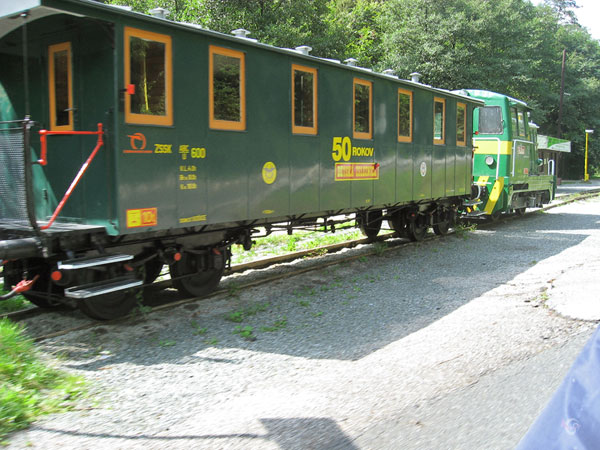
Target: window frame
(441,141)
(462,143)
(408,138)
(52,50)
(149,119)
(220,124)
(362,134)
(521,121)
(297,129)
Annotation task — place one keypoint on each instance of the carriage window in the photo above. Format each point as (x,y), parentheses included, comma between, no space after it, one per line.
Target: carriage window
(363,105)
(513,120)
(60,87)
(148,77)
(521,123)
(304,100)
(227,91)
(439,120)
(490,120)
(461,124)
(404,115)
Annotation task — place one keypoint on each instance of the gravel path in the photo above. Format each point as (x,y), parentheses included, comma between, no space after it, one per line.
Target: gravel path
(333,355)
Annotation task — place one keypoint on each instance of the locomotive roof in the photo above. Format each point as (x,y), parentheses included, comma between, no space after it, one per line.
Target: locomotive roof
(483,94)
(36,9)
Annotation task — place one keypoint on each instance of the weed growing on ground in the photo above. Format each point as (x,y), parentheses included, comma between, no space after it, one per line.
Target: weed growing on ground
(246,332)
(379,248)
(29,387)
(198,330)
(277,325)
(462,230)
(166,343)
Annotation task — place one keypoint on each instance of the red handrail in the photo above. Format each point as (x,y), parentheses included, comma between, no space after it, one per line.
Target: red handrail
(43,161)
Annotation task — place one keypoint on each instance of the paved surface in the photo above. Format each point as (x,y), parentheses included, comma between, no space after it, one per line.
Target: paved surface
(452,343)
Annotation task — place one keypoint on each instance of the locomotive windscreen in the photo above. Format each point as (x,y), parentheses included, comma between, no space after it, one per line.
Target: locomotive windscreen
(490,120)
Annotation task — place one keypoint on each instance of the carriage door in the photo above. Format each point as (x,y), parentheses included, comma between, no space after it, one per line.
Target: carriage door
(78,64)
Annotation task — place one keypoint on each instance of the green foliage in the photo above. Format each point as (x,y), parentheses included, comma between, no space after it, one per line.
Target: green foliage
(28,386)
(277,325)
(246,332)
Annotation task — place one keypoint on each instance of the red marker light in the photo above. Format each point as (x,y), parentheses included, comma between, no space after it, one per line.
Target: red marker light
(131,89)
(56,275)
(177,256)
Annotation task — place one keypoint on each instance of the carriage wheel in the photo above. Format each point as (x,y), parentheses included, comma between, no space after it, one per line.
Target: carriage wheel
(416,232)
(369,223)
(397,223)
(441,229)
(201,282)
(109,306)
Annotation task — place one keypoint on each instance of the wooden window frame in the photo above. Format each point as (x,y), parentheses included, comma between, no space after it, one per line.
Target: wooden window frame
(462,143)
(443,102)
(410,136)
(149,119)
(52,49)
(296,129)
(218,124)
(360,134)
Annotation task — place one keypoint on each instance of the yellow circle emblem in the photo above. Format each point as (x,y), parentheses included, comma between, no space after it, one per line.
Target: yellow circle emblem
(269,172)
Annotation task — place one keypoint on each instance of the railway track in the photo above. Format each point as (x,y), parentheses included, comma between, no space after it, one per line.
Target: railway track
(391,243)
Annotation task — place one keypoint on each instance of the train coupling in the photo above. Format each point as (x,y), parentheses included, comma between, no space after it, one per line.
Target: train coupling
(22,286)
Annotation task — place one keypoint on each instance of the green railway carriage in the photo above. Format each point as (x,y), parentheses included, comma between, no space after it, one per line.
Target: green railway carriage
(129,141)
(505,161)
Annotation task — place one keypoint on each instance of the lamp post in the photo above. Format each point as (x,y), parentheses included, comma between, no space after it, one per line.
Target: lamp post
(586,176)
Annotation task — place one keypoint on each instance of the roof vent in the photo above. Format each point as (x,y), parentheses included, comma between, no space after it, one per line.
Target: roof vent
(241,33)
(351,62)
(304,49)
(160,13)
(389,72)
(415,76)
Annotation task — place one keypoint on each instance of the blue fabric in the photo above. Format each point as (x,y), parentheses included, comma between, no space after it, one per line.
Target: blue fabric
(571,420)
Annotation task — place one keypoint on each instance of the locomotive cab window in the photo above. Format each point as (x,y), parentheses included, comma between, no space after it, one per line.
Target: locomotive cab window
(304,100)
(60,86)
(461,124)
(148,76)
(490,120)
(521,116)
(405,115)
(227,91)
(439,121)
(514,123)
(363,109)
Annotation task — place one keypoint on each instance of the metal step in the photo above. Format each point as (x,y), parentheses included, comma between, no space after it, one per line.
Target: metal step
(472,202)
(474,214)
(92,261)
(102,287)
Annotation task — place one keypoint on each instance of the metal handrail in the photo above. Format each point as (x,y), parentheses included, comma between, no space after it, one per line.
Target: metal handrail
(43,161)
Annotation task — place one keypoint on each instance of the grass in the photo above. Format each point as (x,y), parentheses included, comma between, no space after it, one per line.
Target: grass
(279,244)
(29,388)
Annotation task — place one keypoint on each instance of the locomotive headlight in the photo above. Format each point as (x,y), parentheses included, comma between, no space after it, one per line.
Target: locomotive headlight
(489,160)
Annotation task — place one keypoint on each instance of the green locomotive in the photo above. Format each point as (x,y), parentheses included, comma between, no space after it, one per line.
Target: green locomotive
(506,168)
(130,141)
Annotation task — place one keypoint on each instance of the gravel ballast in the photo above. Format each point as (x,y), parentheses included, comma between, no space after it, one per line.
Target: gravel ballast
(332,354)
